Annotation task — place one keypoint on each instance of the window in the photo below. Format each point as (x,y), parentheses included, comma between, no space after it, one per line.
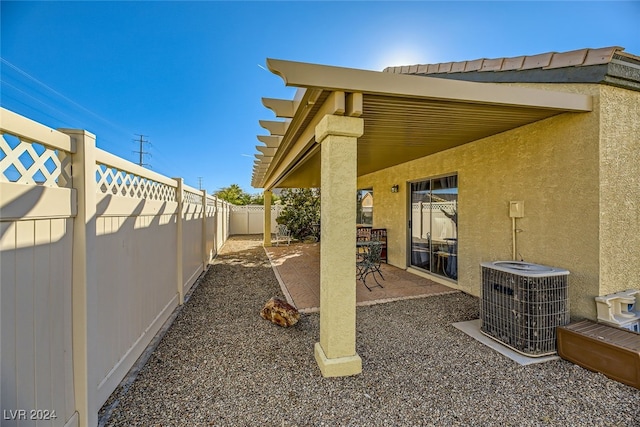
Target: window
(364,208)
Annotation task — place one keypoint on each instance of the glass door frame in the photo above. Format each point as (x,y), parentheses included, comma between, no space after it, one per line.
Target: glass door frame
(438,254)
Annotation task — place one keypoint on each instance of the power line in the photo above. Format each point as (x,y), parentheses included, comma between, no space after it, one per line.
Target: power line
(24,73)
(141,152)
(60,121)
(63,110)
(31,107)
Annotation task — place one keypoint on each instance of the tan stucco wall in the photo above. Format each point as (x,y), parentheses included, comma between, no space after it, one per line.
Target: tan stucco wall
(620,190)
(552,165)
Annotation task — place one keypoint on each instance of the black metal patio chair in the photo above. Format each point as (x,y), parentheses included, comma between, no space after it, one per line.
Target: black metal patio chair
(368,262)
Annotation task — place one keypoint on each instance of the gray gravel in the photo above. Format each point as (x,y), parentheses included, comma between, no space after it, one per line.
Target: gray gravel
(221,364)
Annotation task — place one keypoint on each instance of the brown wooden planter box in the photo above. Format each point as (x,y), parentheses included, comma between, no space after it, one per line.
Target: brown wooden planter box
(614,352)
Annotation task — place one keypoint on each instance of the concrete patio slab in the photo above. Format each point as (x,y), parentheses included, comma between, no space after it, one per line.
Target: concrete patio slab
(297,268)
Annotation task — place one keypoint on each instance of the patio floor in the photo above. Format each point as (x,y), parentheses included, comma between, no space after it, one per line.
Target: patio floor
(297,268)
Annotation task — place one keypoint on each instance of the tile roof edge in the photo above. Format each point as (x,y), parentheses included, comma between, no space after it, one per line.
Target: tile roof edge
(628,55)
(573,58)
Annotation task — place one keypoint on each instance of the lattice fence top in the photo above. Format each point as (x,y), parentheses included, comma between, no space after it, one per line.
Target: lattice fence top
(192,198)
(28,162)
(250,208)
(122,183)
(434,206)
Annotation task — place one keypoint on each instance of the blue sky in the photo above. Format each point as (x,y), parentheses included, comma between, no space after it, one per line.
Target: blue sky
(189,76)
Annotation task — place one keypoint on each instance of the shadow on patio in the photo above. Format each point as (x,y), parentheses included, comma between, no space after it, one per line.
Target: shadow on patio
(297,268)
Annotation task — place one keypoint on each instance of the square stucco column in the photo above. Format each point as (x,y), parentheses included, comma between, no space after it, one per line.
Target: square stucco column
(267,219)
(336,352)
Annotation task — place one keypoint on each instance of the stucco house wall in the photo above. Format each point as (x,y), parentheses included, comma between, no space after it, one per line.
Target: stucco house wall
(574,175)
(619,190)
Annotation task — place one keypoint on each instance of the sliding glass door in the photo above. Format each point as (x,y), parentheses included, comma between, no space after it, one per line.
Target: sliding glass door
(433,225)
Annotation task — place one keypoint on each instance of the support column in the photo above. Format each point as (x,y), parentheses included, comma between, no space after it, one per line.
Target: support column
(267,218)
(336,352)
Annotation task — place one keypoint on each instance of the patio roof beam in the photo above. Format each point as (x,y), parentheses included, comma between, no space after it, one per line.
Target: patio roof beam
(267,151)
(274,127)
(335,104)
(317,76)
(304,102)
(280,107)
(270,141)
(351,104)
(354,104)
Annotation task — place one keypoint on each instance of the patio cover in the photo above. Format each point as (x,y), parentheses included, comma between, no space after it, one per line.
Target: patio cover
(359,122)
(405,117)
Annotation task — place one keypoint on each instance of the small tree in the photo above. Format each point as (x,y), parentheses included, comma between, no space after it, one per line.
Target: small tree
(258,199)
(301,212)
(237,196)
(234,195)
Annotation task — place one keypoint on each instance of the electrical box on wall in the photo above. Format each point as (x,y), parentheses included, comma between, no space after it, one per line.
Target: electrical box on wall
(516,209)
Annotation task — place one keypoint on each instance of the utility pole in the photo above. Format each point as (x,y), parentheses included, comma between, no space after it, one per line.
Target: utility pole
(141,152)
(199,183)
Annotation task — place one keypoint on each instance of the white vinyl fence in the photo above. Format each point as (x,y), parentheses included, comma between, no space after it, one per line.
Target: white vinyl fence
(96,252)
(250,219)
(429,220)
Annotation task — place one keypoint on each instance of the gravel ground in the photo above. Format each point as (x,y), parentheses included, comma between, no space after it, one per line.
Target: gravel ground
(221,364)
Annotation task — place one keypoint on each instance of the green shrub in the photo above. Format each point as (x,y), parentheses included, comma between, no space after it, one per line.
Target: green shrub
(301,212)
